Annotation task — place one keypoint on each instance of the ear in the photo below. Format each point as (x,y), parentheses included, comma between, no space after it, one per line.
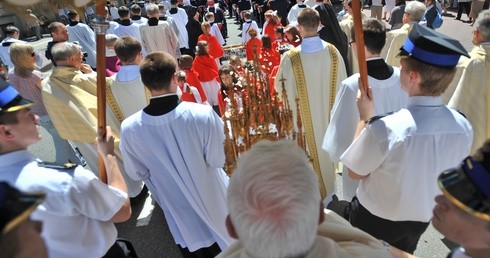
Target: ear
(414,78)
(321,218)
(230,228)
(5,134)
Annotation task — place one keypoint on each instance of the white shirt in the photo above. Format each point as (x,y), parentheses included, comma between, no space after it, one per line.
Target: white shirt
(128,90)
(112,26)
(131,30)
(388,97)
(294,12)
(85,36)
(403,154)
(114,13)
(180,157)
(246,26)
(141,21)
(217,33)
(180,19)
(77,208)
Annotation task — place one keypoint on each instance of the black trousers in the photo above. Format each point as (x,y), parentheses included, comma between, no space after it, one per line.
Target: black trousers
(206,252)
(403,235)
(121,249)
(463,5)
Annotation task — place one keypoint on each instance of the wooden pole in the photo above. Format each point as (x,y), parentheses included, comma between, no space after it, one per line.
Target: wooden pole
(361,54)
(100,26)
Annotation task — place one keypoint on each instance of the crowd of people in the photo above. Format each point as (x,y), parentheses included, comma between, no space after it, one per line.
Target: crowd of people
(404,140)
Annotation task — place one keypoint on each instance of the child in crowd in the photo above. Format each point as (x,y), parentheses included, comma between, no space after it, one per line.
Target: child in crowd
(236,63)
(112,62)
(215,30)
(269,56)
(191,77)
(207,71)
(215,48)
(247,26)
(229,82)
(270,24)
(189,93)
(278,38)
(292,35)
(253,46)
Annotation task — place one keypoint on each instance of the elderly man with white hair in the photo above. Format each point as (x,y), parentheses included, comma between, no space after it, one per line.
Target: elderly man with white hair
(276,210)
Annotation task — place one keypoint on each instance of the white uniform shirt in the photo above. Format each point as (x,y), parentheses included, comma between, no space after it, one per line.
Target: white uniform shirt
(180,19)
(403,154)
(180,157)
(77,208)
(85,36)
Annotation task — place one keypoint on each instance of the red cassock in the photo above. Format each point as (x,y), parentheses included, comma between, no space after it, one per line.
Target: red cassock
(215,49)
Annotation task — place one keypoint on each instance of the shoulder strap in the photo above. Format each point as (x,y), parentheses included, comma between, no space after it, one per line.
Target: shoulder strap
(374,118)
(304,109)
(57,166)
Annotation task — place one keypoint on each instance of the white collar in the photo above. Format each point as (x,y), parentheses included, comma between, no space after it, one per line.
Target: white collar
(312,45)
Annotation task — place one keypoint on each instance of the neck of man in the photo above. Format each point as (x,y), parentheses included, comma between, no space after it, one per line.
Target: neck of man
(156,93)
(8,149)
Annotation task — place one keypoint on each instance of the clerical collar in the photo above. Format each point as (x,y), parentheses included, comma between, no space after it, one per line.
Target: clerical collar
(125,22)
(161,105)
(173,10)
(153,21)
(136,17)
(73,23)
(379,69)
(301,5)
(163,18)
(248,21)
(312,45)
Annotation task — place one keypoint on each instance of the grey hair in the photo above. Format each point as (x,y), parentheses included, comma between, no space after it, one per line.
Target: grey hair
(152,9)
(416,10)
(274,200)
(110,39)
(64,50)
(482,23)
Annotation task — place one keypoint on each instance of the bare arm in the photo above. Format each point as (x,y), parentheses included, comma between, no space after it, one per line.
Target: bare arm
(105,147)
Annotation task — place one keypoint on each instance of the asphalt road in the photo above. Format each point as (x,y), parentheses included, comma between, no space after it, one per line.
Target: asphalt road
(147,228)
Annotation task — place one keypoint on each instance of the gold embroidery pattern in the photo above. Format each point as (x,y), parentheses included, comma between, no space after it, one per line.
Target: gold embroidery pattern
(111,101)
(299,76)
(334,64)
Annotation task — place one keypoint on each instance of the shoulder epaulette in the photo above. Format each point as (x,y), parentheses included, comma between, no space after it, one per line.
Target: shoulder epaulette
(374,118)
(54,165)
(459,111)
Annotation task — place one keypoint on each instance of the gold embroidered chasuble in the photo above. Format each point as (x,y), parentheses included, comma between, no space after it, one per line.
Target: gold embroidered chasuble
(314,84)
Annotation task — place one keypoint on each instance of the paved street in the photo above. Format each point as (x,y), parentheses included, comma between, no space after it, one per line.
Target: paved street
(147,228)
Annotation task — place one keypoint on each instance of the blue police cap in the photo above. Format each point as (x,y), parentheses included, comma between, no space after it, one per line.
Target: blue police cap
(431,47)
(16,206)
(468,187)
(10,99)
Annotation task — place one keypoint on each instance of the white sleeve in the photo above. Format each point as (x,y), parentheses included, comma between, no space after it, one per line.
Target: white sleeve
(214,138)
(343,124)
(367,152)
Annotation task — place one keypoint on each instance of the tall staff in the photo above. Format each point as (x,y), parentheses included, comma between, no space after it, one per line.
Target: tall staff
(361,54)
(100,26)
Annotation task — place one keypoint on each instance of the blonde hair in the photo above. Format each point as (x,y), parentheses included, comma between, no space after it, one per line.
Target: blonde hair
(21,56)
(252,33)
(205,25)
(434,79)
